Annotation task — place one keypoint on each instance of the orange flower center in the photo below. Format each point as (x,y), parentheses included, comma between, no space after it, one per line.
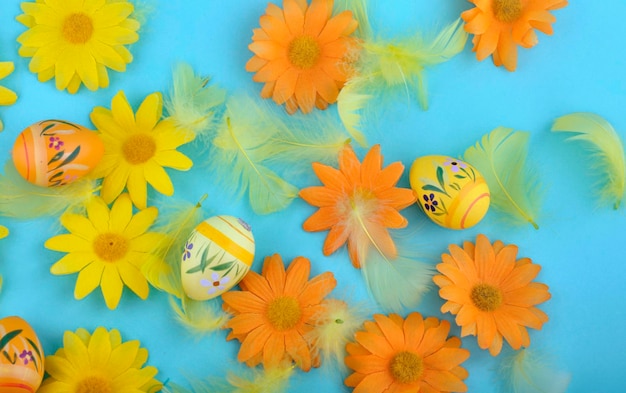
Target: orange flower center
(284,313)
(406,367)
(94,384)
(486,297)
(77,28)
(507,11)
(110,247)
(303,52)
(138,148)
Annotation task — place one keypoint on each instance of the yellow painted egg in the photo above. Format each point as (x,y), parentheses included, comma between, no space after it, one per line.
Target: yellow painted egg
(21,362)
(450,192)
(56,152)
(217,255)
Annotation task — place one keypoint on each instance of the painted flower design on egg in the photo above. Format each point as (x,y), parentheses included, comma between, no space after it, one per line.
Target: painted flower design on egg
(218,283)
(455,165)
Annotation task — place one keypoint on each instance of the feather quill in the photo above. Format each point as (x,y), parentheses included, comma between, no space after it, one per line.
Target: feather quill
(23,200)
(500,157)
(606,149)
(239,157)
(193,104)
(527,372)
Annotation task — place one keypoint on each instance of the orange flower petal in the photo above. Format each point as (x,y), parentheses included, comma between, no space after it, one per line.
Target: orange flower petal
(299,350)
(487,43)
(305,92)
(253,343)
(273,351)
(374,343)
(324,85)
(520,277)
(444,381)
(391,331)
(244,302)
(530,295)
(446,358)
(509,330)
(374,383)
(316,16)
(336,237)
(255,63)
(331,177)
(297,276)
(274,273)
(485,329)
(267,50)
(434,338)
(272,70)
(276,29)
(317,288)
(321,220)
(367,364)
(335,27)
(245,323)
(285,86)
(320,196)
(294,17)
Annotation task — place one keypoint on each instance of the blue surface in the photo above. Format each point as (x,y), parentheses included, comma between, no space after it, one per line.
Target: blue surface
(580,245)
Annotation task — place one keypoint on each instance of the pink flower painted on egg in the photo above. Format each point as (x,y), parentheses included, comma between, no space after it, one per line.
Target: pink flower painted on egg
(56,143)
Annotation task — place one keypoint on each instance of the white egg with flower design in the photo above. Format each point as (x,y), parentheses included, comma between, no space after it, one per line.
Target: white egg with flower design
(218,254)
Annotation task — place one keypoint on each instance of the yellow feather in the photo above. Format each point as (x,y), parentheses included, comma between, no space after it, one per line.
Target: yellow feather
(606,148)
(21,199)
(192,103)
(500,157)
(241,152)
(527,372)
(349,105)
(176,221)
(335,326)
(199,317)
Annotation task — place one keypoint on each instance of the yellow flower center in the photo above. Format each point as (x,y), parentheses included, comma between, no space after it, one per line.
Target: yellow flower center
(284,313)
(303,52)
(486,297)
(138,148)
(94,384)
(507,11)
(77,28)
(110,247)
(406,367)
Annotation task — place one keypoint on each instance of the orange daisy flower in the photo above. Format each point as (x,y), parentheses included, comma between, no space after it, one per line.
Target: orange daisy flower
(406,355)
(491,293)
(275,311)
(358,202)
(300,53)
(500,25)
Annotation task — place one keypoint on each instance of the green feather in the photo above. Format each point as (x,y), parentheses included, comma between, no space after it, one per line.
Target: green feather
(606,149)
(500,157)
(240,154)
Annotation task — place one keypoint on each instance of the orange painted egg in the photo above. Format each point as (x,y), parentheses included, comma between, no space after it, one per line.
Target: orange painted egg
(218,254)
(56,152)
(21,359)
(452,193)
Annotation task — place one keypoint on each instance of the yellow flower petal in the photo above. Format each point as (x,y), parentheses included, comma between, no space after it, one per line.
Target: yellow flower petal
(121,213)
(114,183)
(4,232)
(76,352)
(72,262)
(60,368)
(140,222)
(99,349)
(122,357)
(147,242)
(133,279)
(158,178)
(7,97)
(79,226)
(111,286)
(122,112)
(98,214)
(88,279)
(137,187)
(134,378)
(6,68)
(150,111)
(67,243)
(173,159)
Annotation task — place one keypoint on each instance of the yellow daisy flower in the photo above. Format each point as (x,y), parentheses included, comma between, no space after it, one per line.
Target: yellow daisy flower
(137,147)
(7,97)
(107,249)
(99,363)
(75,41)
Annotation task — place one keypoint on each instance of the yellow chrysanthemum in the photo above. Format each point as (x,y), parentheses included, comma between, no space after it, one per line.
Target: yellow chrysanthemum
(7,97)
(99,363)
(137,147)
(75,41)
(107,249)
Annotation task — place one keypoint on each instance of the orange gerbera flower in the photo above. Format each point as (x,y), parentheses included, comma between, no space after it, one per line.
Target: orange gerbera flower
(358,203)
(406,355)
(301,53)
(491,293)
(275,311)
(500,25)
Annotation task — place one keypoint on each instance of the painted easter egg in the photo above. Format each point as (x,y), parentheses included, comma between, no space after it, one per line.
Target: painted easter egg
(450,192)
(21,363)
(217,255)
(56,152)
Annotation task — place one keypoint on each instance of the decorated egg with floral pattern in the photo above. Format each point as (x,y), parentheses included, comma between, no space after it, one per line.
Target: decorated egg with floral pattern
(56,152)
(452,193)
(21,359)
(217,255)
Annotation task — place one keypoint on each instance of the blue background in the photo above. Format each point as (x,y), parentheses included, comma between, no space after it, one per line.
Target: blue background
(580,244)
